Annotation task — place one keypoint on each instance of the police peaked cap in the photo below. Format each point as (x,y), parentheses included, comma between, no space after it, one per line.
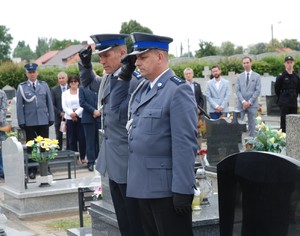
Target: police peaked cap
(142,42)
(31,66)
(105,42)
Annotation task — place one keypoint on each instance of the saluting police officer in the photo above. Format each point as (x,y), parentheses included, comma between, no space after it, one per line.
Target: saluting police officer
(287,88)
(35,111)
(162,139)
(113,156)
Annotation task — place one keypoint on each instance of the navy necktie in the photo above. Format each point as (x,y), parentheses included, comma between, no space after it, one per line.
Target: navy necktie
(247,82)
(33,86)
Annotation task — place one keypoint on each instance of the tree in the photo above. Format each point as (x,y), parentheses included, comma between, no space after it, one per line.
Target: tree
(258,48)
(5,41)
(227,49)
(206,49)
(130,27)
(57,44)
(23,51)
(42,47)
(291,43)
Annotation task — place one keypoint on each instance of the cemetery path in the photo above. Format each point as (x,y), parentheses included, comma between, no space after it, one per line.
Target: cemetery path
(39,226)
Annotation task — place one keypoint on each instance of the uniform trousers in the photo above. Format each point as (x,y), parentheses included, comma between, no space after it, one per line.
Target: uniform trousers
(285,110)
(160,219)
(127,210)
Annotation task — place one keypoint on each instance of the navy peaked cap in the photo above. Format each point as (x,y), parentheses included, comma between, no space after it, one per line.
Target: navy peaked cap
(288,58)
(142,42)
(105,42)
(31,66)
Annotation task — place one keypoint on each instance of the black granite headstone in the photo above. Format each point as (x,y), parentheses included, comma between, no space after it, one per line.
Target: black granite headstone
(271,101)
(259,194)
(223,138)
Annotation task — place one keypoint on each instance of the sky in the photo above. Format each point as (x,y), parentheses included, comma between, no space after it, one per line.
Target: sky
(241,22)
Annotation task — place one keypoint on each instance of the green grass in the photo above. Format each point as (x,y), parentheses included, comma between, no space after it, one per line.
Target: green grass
(72,222)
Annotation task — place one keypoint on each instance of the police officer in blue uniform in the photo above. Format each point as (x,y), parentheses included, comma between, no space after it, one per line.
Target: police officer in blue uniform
(287,88)
(35,111)
(113,156)
(162,140)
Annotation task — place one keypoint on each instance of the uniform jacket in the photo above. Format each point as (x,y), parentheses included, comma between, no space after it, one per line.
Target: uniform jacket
(163,139)
(88,100)
(287,89)
(216,96)
(198,94)
(56,98)
(113,155)
(38,109)
(250,92)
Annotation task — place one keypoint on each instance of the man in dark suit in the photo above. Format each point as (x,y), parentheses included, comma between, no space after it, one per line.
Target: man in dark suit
(196,87)
(188,74)
(58,111)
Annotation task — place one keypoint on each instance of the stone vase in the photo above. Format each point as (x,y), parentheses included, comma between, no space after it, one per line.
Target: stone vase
(44,174)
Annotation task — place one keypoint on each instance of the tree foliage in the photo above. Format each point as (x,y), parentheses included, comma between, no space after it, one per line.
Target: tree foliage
(56,44)
(206,49)
(130,27)
(293,44)
(42,47)
(24,52)
(5,41)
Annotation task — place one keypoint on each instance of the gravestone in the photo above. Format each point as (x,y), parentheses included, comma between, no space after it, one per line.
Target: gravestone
(271,100)
(206,73)
(292,136)
(232,83)
(223,137)
(259,194)
(10,92)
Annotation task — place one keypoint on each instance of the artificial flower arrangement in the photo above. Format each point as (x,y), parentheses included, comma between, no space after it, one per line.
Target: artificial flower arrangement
(43,149)
(268,139)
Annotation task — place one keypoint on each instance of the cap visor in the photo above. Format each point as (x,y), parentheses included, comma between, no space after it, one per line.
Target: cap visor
(101,51)
(138,52)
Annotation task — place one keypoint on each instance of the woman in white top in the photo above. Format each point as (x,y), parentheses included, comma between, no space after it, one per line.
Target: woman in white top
(73,114)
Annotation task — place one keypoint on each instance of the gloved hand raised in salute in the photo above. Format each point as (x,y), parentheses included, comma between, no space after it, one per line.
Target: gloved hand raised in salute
(85,55)
(128,66)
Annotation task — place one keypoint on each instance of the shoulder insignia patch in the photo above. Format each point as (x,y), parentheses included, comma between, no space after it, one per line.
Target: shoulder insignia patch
(177,80)
(137,74)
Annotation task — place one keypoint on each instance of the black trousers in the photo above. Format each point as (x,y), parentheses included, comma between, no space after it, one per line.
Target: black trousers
(285,110)
(160,219)
(31,133)
(127,210)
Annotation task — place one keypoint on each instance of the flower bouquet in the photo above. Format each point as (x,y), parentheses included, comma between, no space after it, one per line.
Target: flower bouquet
(268,139)
(97,195)
(43,149)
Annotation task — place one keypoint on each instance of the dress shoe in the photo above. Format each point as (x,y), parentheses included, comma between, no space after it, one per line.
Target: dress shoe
(32,175)
(91,167)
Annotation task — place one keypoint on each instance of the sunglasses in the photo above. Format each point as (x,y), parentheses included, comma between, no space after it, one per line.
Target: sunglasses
(73,81)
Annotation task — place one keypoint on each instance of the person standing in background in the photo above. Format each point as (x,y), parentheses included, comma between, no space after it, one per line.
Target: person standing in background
(248,87)
(35,112)
(287,89)
(3,111)
(59,113)
(188,74)
(73,114)
(217,94)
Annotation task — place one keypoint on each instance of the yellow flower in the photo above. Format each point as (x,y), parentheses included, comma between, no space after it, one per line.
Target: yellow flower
(29,143)
(258,118)
(283,136)
(271,140)
(279,132)
(39,139)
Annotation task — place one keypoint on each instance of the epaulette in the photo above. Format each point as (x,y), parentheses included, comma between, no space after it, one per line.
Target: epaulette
(137,74)
(177,80)
(25,82)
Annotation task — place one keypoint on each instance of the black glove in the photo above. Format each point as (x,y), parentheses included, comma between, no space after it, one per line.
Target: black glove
(128,66)
(182,203)
(51,123)
(85,55)
(22,126)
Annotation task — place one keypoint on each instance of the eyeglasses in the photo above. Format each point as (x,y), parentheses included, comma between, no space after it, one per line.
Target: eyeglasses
(73,81)
(61,78)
